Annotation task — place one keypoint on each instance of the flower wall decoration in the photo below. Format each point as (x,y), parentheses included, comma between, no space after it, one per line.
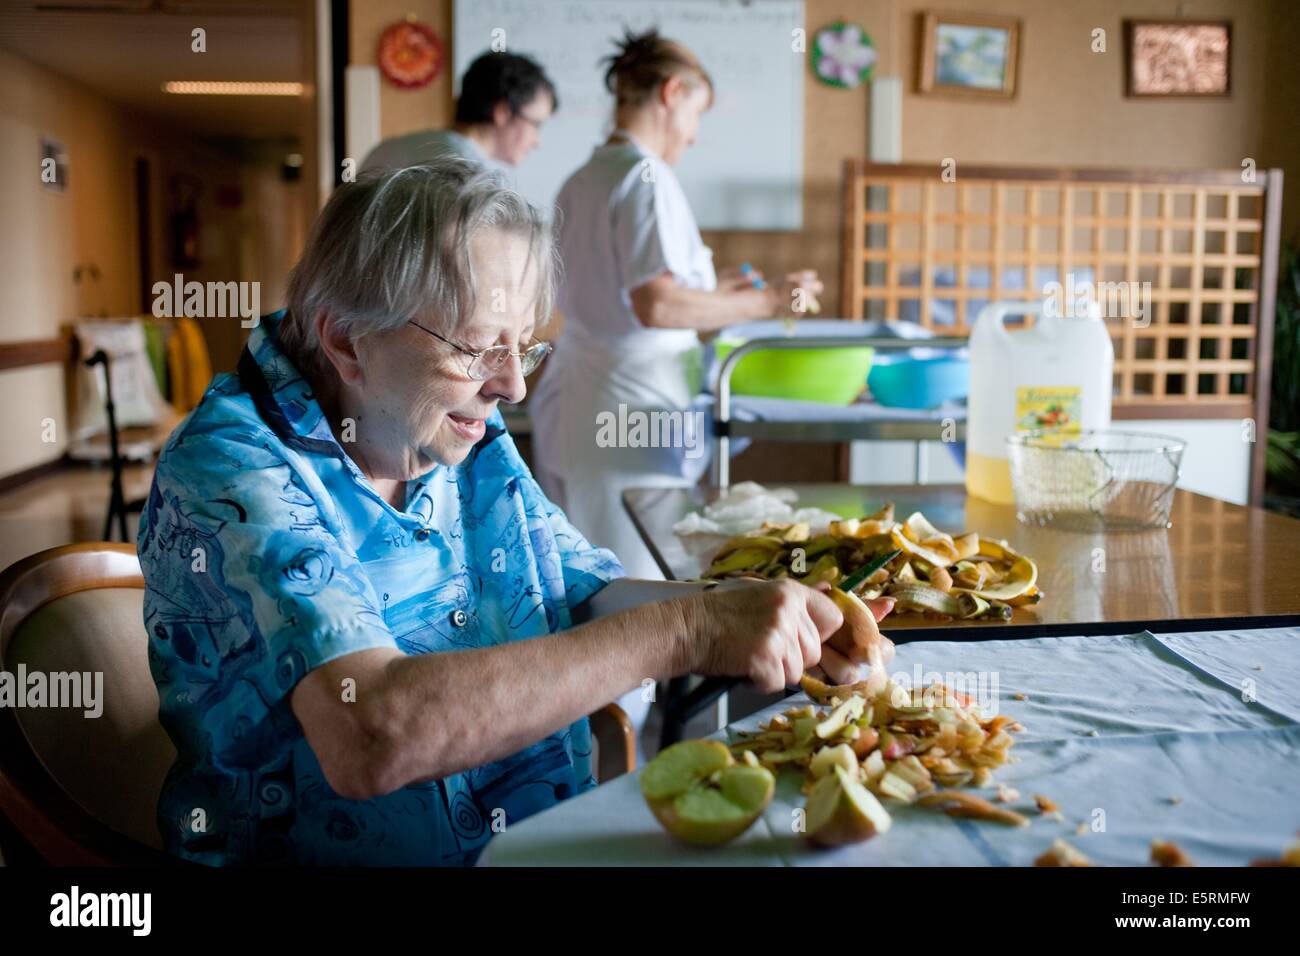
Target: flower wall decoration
(843,55)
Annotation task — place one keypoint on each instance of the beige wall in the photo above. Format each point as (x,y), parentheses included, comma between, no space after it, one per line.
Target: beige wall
(47,234)
(404,111)
(1070,107)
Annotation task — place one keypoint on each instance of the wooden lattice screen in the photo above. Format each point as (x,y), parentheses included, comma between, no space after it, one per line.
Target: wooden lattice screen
(932,251)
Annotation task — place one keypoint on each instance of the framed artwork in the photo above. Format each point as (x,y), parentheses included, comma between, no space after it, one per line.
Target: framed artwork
(967,54)
(1178,57)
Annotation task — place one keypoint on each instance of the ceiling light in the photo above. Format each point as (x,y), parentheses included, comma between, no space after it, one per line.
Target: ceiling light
(230,88)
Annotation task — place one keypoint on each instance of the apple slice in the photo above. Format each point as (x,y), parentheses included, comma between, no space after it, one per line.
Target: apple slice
(804,728)
(701,795)
(839,718)
(840,811)
(829,757)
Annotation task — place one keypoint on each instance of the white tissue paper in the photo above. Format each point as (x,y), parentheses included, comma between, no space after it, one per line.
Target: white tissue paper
(745,506)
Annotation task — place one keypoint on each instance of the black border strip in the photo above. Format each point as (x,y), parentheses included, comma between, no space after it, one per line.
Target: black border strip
(340,54)
(1002,632)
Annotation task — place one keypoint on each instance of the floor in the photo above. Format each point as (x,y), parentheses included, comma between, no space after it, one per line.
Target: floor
(62,508)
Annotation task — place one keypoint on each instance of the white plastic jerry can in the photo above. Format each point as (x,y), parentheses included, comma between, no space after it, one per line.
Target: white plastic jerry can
(1055,375)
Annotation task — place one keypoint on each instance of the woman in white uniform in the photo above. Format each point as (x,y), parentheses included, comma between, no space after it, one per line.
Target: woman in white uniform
(638,285)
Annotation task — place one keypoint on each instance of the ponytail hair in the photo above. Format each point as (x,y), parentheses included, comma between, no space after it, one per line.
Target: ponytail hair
(644,62)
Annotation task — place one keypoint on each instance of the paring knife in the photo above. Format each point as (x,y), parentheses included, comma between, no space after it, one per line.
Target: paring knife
(711,688)
(867,570)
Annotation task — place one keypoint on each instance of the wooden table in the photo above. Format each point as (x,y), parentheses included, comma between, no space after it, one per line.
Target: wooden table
(1220,565)
(1113,722)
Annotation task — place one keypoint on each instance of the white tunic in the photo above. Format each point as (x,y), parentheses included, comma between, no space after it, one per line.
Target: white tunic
(623,220)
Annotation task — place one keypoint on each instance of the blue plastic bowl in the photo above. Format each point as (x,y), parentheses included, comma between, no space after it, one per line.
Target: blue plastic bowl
(907,381)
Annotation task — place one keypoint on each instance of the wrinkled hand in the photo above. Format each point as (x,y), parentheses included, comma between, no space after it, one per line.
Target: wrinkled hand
(767,631)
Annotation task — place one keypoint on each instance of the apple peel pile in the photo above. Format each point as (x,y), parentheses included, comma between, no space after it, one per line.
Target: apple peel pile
(863,746)
(936,575)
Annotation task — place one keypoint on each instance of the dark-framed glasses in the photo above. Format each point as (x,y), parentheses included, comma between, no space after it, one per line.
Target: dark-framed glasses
(485,363)
(531,121)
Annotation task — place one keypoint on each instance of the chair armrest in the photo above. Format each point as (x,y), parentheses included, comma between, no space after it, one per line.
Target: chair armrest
(616,738)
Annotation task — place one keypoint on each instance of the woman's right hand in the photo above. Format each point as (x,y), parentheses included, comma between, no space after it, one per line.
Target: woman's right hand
(767,631)
(797,294)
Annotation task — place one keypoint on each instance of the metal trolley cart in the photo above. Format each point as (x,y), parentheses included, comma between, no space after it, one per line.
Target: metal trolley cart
(803,422)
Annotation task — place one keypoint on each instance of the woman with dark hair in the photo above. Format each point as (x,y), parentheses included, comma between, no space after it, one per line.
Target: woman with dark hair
(504,101)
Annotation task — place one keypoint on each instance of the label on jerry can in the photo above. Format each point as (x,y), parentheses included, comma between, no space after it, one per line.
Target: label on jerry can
(1056,407)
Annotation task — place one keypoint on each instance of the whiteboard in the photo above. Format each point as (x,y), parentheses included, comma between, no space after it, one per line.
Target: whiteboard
(745,170)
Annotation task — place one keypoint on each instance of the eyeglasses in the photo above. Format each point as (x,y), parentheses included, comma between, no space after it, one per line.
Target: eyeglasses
(534,123)
(489,361)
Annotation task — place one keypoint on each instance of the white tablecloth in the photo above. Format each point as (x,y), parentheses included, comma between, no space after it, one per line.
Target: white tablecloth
(1197,741)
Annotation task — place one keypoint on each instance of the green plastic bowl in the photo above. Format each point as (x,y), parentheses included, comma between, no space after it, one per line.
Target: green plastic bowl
(830,376)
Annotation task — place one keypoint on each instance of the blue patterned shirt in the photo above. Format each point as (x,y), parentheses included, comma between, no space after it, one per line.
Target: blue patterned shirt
(267,553)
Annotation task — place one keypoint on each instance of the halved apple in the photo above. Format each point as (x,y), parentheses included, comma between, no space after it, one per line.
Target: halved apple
(840,810)
(701,795)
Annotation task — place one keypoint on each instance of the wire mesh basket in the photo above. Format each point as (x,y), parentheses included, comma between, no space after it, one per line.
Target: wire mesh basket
(1096,480)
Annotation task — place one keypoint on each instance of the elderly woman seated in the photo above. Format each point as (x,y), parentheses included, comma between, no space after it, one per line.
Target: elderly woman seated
(374,638)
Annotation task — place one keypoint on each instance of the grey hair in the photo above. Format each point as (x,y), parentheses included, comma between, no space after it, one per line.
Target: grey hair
(394,245)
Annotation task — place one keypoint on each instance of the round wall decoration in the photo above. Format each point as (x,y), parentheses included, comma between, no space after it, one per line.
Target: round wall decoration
(843,55)
(410,54)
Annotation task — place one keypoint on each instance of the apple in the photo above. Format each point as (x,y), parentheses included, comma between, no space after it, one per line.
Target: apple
(701,795)
(859,632)
(840,810)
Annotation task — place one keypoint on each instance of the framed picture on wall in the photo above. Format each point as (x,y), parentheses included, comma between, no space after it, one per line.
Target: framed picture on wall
(966,54)
(1178,57)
